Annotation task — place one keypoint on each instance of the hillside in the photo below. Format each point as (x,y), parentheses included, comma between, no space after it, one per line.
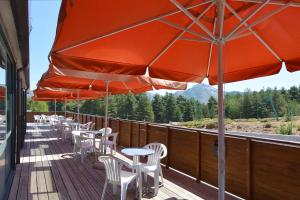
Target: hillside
(200,92)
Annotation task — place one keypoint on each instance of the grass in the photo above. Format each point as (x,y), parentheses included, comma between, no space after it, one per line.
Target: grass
(266,125)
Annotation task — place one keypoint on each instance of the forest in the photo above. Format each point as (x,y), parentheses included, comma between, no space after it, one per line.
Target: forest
(266,103)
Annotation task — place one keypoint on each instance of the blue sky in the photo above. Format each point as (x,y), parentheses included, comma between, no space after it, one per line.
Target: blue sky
(43,14)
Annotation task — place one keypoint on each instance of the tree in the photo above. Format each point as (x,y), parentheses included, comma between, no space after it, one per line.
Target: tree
(158,108)
(188,111)
(93,107)
(59,106)
(144,110)
(212,107)
(37,106)
(170,108)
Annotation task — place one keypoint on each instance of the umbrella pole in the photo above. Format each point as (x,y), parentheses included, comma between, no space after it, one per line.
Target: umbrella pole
(221,135)
(65,107)
(54,106)
(78,108)
(106,114)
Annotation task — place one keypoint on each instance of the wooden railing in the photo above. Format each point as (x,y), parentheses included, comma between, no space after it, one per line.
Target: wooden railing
(255,168)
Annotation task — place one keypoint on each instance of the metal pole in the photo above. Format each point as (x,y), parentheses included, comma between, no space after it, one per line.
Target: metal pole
(106,106)
(55,106)
(65,107)
(221,136)
(78,107)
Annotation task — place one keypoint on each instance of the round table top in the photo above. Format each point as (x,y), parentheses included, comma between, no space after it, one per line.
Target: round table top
(137,151)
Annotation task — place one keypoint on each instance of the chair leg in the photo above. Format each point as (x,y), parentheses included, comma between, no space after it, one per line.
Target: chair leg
(114,189)
(104,189)
(161,175)
(124,191)
(145,177)
(156,181)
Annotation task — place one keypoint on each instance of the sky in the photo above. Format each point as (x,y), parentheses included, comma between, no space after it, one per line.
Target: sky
(43,16)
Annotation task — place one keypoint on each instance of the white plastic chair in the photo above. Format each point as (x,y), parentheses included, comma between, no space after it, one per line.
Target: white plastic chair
(37,118)
(84,144)
(115,175)
(108,131)
(153,163)
(67,130)
(85,127)
(112,144)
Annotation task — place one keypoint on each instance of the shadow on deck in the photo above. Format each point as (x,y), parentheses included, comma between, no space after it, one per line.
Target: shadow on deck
(48,170)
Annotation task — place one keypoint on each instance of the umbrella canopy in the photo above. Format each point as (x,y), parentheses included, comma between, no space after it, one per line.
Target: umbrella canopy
(118,84)
(177,39)
(182,40)
(68,94)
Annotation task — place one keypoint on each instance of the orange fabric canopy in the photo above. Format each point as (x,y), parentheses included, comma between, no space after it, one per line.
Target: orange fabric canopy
(44,93)
(118,84)
(175,40)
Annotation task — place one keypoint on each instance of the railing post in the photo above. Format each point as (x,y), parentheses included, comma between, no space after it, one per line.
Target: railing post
(139,136)
(168,147)
(147,134)
(119,129)
(249,169)
(130,134)
(199,156)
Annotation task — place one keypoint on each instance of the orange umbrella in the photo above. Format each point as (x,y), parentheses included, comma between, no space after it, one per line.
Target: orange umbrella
(46,92)
(112,83)
(177,39)
(118,84)
(51,94)
(181,40)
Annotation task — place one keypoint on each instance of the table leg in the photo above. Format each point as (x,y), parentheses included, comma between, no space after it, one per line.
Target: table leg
(136,163)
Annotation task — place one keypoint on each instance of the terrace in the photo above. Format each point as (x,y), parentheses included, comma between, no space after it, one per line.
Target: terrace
(48,169)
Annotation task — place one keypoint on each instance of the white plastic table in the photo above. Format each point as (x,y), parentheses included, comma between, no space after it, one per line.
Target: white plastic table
(136,153)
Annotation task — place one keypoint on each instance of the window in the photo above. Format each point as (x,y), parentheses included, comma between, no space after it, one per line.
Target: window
(3,120)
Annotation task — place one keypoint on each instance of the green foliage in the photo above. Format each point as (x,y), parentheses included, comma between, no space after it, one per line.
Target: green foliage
(268,125)
(59,106)
(144,110)
(284,129)
(212,107)
(158,108)
(37,106)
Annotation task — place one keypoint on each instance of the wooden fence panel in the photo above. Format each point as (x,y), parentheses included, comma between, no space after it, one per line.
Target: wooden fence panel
(125,133)
(135,137)
(143,134)
(275,171)
(182,150)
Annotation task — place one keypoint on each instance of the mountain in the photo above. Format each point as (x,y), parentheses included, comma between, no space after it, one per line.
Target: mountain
(200,92)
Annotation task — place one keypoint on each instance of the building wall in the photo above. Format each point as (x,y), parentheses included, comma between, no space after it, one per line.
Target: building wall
(13,85)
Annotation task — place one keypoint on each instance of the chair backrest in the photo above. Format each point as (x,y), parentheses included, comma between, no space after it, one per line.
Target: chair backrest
(92,127)
(114,137)
(113,168)
(86,126)
(37,117)
(160,151)
(108,131)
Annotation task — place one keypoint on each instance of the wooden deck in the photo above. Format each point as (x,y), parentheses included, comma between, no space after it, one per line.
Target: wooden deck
(48,170)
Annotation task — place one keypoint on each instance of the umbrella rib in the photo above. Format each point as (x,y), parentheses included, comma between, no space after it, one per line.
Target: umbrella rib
(194,19)
(253,32)
(278,3)
(210,50)
(87,41)
(260,20)
(246,19)
(179,35)
(184,29)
